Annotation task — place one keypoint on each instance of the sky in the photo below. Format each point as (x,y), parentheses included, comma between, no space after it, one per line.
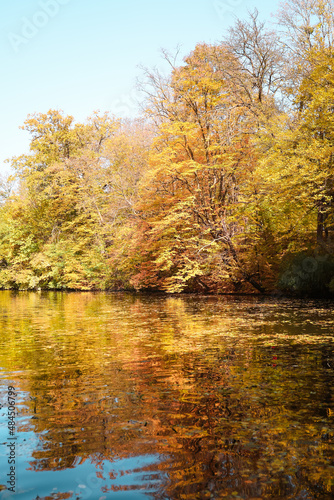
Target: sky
(82,56)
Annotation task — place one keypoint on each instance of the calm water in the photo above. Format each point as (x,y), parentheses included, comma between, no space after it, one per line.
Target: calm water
(128,397)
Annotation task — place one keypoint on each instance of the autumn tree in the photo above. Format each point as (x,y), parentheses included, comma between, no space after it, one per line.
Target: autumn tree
(258,73)
(229,171)
(199,164)
(74,188)
(299,166)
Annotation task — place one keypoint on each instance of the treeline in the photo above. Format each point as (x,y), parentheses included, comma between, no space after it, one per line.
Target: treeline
(225,183)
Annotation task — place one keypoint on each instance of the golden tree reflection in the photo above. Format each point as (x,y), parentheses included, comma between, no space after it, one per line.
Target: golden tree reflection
(229,409)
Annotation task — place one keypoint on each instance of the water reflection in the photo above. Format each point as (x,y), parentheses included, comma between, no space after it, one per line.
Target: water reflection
(161,397)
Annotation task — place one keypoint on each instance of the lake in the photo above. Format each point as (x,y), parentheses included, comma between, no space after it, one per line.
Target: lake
(159,397)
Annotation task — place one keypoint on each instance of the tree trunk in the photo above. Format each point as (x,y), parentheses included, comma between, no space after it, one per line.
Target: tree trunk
(245,275)
(320,226)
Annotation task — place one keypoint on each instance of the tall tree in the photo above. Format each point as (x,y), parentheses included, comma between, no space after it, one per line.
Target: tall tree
(201,159)
(259,70)
(300,162)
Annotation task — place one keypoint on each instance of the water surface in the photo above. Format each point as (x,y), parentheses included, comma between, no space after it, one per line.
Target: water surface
(154,397)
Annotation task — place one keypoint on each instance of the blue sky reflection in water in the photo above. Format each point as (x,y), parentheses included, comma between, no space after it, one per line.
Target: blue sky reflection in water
(121,478)
(123,396)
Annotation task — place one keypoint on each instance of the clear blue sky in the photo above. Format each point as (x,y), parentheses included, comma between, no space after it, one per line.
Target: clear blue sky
(83,55)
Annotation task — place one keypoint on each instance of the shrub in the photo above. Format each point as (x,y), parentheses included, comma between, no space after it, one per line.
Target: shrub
(307,274)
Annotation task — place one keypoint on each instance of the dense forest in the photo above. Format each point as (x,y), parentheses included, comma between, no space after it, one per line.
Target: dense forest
(225,183)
